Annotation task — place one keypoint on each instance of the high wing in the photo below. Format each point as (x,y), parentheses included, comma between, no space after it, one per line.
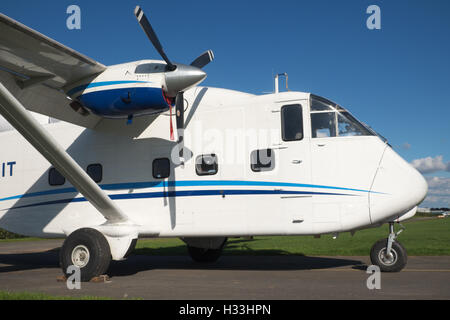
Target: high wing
(35,69)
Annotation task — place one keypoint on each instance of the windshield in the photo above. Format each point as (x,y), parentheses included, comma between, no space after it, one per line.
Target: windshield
(331,120)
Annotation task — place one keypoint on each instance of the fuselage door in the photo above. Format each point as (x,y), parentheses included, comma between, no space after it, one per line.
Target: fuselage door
(294,163)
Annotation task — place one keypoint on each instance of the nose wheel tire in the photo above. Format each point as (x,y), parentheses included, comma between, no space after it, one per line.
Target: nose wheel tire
(88,250)
(393,262)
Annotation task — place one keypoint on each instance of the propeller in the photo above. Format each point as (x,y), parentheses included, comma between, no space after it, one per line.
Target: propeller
(178,77)
(203,59)
(147,27)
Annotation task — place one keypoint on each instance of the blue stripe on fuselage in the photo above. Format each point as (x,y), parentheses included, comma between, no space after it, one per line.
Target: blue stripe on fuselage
(185,193)
(185,183)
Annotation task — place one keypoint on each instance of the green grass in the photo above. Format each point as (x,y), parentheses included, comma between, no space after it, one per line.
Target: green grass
(5,295)
(421,237)
(21,239)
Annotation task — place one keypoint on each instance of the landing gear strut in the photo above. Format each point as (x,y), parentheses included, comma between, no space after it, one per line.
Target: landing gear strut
(389,254)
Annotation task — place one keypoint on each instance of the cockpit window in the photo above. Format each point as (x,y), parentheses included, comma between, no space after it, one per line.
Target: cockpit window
(349,126)
(324,124)
(319,104)
(331,120)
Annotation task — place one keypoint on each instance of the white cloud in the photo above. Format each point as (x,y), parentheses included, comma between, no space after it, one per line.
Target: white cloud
(429,164)
(438,182)
(438,192)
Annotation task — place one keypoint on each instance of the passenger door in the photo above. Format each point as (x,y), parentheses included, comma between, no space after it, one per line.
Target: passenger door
(294,163)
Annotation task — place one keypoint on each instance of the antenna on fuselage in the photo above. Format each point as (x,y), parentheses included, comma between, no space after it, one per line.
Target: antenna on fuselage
(276,81)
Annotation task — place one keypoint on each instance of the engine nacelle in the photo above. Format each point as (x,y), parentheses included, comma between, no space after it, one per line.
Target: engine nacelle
(131,89)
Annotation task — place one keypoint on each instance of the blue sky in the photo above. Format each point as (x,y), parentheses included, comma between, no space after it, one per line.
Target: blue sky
(396,79)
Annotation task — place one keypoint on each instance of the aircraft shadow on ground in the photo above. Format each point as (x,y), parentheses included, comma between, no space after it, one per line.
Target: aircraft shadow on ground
(176,258)
(263,260)
(29,261)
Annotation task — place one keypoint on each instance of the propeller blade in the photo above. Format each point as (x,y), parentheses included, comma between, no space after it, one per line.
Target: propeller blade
(146,26)
(203,59)
(179,106)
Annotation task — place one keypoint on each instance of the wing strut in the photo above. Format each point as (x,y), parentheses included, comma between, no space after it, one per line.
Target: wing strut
(16,114)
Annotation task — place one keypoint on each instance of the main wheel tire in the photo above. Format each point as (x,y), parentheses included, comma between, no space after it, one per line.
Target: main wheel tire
(87,249)
(202,255)
(395,263)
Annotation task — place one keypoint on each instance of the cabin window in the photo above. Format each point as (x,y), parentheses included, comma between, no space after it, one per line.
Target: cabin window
(331,120)
(95,171)
(206,165)
(292,122)
(55,178)
(262,160)
(161,168)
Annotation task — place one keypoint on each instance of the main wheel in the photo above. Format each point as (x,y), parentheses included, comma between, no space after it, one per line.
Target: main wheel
(88,250)
(393,263)
(205,255)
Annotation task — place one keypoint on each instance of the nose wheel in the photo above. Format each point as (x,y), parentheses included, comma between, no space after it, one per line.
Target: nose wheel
(389,254)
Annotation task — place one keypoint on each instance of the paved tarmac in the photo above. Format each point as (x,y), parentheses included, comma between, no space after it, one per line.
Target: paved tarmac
(33,267)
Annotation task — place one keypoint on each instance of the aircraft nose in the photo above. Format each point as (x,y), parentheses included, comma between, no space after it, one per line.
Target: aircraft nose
(397,188)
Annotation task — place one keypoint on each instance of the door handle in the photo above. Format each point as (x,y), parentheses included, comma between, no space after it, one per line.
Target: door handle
(279,146)
(321,144)
(297,161)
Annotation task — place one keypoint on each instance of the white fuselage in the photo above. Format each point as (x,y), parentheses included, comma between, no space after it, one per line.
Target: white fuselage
(315,186)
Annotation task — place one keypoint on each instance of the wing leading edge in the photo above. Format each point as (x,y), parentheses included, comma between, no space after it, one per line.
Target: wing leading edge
(30,53)
(36,69)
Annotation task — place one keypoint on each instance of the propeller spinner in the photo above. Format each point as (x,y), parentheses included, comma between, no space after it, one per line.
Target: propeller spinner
(178,77)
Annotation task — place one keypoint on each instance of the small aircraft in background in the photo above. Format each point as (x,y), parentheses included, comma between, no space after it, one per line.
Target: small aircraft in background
(443,215)
(110,171)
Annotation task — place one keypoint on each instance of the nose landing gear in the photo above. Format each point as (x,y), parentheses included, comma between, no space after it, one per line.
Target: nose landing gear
(389,254)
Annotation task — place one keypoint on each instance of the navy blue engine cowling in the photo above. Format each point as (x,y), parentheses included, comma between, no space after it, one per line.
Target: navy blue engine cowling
(124,102)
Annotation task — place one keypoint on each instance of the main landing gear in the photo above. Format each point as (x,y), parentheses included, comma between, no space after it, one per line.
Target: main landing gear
(389,254)
(91,250)
(88,250)
(206,255)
